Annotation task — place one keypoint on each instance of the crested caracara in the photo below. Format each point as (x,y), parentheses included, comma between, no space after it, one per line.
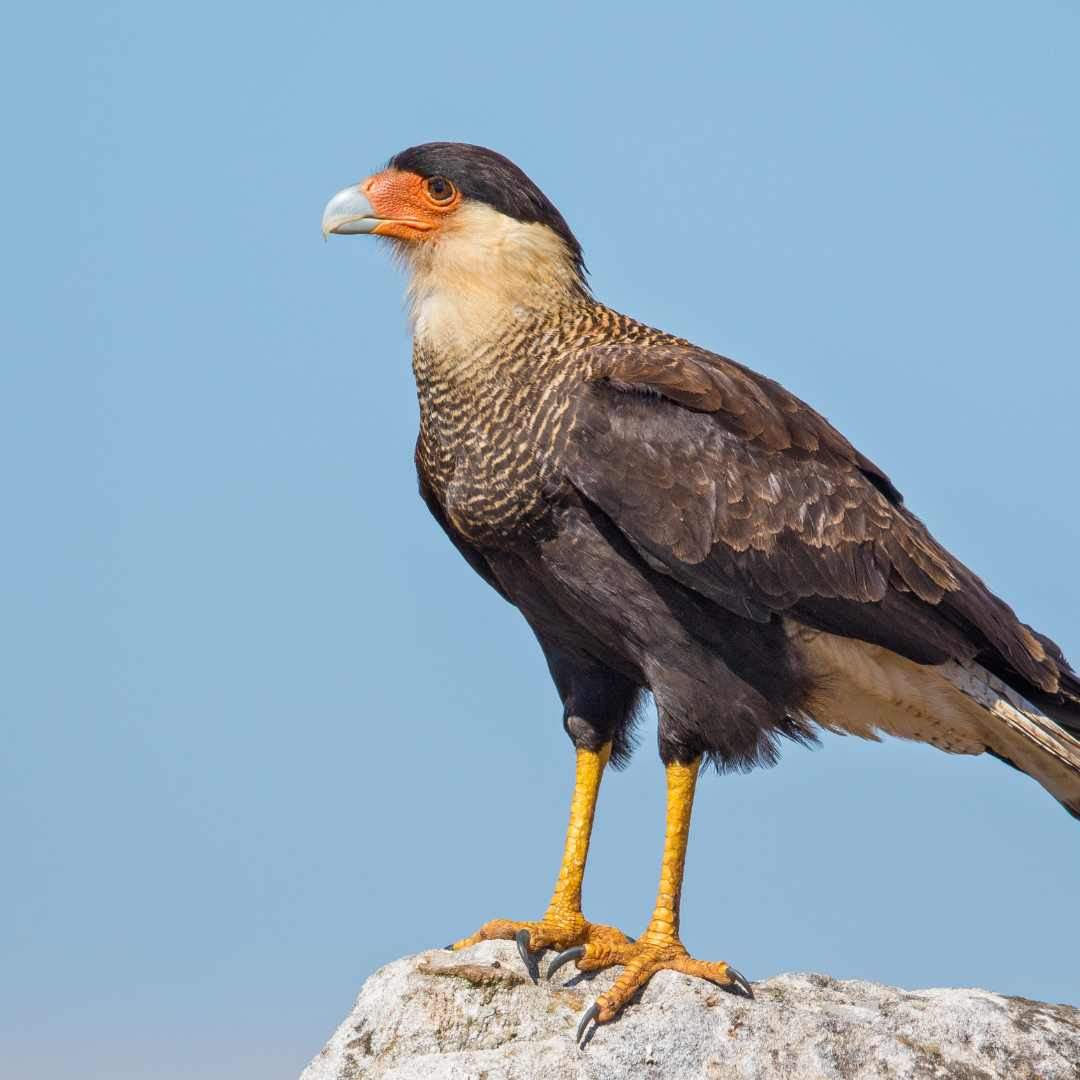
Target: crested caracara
(669,521)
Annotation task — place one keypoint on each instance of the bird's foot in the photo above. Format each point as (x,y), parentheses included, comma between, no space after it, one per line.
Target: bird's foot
(642,959)
(561,929)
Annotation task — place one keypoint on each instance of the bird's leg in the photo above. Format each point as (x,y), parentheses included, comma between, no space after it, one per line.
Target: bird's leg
(659,947)
(563,926)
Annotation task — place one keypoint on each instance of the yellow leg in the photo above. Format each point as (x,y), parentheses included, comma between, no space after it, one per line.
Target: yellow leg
(659,947)
(566,896)
(563,924)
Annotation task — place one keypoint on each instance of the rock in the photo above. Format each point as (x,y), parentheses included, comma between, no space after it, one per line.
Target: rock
(476,1015)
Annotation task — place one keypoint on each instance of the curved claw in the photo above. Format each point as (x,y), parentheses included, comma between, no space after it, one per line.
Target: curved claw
(521,939)
(587,1017)
(575,953)
(741,982)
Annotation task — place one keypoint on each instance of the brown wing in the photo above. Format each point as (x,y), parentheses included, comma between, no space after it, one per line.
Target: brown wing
(735,487)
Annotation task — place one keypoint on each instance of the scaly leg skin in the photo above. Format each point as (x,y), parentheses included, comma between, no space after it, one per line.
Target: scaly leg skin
(659,948)
(563,925)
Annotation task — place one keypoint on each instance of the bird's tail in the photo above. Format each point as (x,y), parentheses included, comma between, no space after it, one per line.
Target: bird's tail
(959,706)
(1024,736)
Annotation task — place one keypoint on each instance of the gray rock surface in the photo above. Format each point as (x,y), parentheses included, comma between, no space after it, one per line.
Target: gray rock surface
(475,1015)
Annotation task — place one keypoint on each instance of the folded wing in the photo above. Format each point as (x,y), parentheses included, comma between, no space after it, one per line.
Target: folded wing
(724,480)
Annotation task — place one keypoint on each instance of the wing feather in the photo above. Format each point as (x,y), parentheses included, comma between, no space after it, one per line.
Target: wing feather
(744,493)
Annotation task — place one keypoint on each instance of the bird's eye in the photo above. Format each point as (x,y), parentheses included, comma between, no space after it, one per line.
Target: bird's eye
(439,189)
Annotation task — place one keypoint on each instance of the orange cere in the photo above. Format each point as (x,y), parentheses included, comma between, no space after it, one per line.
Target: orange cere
(401,198)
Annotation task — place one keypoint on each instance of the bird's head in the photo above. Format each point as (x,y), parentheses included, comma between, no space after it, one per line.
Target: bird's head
(467,222)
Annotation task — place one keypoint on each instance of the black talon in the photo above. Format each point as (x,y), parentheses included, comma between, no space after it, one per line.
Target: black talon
(739,980)
(587,1017)
(575,953)
(521,939)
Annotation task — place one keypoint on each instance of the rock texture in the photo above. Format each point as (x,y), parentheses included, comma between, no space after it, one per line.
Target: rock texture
(476,1015)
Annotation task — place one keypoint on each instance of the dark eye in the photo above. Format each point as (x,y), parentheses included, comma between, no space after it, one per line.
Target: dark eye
(439,188)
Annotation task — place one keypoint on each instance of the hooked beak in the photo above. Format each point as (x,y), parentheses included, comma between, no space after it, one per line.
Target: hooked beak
(349,212)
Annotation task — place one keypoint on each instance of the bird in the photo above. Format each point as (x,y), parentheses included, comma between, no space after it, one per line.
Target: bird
(671,523)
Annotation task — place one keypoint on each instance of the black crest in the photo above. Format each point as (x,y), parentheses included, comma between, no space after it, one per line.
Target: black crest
(489,177)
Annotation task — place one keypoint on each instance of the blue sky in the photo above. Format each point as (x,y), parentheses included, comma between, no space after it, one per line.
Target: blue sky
(263,729)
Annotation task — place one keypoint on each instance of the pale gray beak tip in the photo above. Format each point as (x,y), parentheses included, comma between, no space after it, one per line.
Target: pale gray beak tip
(347,213)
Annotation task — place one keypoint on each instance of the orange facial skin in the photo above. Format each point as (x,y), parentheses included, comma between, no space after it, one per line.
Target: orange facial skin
(409,209)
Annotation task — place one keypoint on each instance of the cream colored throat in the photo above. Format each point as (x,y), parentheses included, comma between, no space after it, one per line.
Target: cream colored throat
(483,274)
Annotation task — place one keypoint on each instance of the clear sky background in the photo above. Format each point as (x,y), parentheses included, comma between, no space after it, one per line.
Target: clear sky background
(263,729)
